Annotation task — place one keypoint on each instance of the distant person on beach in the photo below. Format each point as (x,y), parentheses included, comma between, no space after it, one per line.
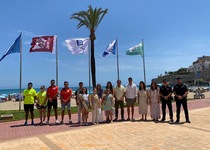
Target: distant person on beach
(52,96)
(180,92)
(166,99)
(119,95)
(41,103)
(143,100)
(96,104)
(131,96)
(84,98)
(29,95)
(78,102)
(65,96)
(109,105)
(154,101)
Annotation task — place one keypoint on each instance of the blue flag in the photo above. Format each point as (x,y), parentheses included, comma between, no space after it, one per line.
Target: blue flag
(110,48)
(15,48)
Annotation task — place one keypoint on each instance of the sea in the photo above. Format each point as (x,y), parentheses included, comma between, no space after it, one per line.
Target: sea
(17,91)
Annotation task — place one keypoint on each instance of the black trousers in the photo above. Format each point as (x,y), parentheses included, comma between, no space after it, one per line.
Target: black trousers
(182,102)
(168,103)
(121,104)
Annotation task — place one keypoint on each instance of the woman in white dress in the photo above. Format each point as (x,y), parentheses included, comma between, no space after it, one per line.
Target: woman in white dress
(142,100)
(95,101)
(154,100)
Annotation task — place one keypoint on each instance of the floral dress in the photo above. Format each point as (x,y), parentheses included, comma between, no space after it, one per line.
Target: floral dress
(154,104)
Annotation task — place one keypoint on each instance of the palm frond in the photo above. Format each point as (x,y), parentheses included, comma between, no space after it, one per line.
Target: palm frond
(90,18)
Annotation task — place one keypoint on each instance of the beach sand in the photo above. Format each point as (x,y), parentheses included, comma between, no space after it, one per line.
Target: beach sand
(11,105)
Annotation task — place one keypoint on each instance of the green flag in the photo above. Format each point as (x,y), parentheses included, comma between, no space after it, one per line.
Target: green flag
(136,50)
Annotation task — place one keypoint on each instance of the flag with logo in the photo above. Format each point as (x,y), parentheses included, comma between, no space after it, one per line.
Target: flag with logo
(110,48)
(78,45)
(136,50)
(15,48)
(43,44)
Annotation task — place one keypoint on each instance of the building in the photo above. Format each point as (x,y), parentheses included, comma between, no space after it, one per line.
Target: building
(199,70)
(202,63)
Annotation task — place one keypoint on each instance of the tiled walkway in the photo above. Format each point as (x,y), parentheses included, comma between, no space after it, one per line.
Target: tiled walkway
(118,135)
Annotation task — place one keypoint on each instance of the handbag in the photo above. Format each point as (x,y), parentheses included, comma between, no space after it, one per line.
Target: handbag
(100,115)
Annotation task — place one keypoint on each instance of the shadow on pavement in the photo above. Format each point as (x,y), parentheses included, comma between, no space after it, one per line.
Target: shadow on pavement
(19,125)
(180,123)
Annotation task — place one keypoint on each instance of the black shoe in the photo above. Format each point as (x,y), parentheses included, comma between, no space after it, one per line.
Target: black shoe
(122,119)
(115,119)
(171,121)
(177,121)
(162,120)
(188,121)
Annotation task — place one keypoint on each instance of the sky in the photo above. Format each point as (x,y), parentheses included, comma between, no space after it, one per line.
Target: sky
(175,34)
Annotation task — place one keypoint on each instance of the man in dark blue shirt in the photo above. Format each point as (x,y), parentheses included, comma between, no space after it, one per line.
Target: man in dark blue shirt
(180,92)
(166,98)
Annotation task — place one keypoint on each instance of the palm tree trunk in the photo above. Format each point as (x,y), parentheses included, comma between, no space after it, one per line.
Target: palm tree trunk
(93,65)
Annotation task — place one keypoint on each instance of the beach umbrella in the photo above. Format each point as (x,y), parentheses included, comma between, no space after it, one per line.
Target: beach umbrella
(1,96)
(4,95)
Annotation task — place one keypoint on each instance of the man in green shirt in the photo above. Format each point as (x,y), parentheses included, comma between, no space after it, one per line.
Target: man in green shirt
(29,96)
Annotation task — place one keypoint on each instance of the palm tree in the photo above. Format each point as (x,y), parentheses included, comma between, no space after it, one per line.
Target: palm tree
(91,19)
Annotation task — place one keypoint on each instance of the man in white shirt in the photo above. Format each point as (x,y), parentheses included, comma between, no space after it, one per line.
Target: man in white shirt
(119,95)
(131,95)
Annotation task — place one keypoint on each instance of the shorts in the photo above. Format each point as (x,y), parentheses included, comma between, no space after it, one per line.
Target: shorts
(130,101)
(54,103)
(68,105)
(40,107)
(29,107)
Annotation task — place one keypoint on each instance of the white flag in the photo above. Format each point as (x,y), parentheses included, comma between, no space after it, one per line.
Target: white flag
(78,45)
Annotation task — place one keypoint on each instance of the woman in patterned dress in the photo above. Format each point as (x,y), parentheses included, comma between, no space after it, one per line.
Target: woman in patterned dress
(109,105)
(154,100)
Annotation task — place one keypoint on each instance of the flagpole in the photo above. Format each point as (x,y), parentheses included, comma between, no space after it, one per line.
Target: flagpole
(56,60)
(20,72)
(89,63)
(118,74)
(144,62)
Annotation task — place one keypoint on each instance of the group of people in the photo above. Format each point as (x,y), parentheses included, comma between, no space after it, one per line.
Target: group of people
(108,100)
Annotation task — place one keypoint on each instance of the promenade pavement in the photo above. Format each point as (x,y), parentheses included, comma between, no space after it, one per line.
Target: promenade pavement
(118,135)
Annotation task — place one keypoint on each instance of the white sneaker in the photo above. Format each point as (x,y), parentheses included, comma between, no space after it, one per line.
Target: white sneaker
(57,122)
